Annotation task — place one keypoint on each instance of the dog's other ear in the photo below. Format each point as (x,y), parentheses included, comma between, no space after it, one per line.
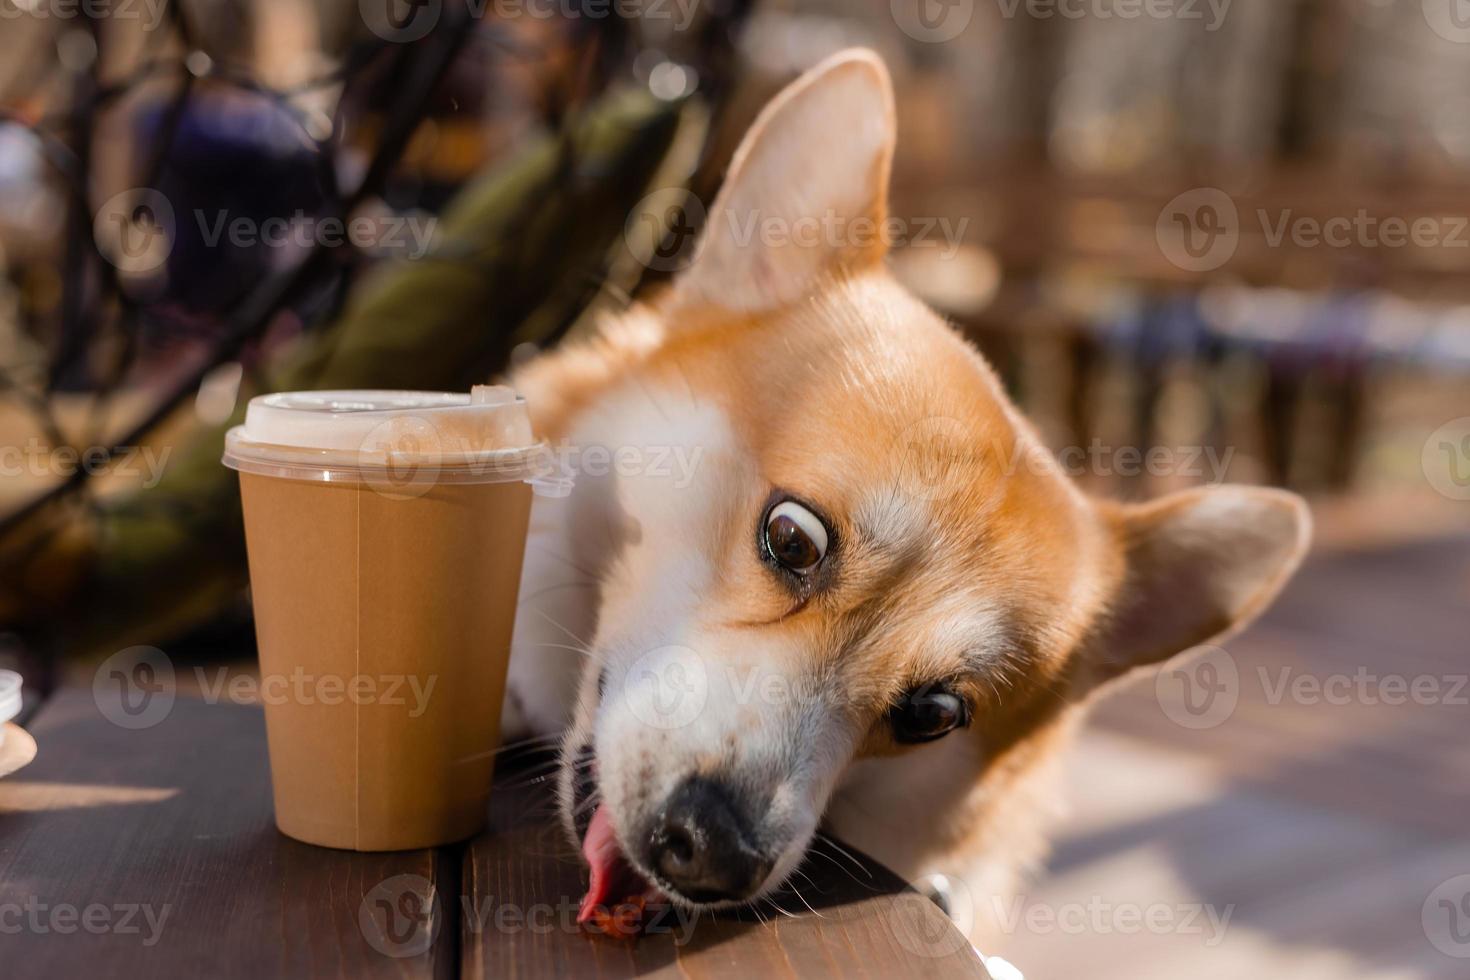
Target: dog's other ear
(1201,564)
(806,192)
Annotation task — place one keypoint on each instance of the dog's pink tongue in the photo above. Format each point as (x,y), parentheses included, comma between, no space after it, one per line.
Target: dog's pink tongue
(600,848)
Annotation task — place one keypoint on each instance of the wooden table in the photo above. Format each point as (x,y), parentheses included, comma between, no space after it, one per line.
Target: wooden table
(1322,825)
(152,853)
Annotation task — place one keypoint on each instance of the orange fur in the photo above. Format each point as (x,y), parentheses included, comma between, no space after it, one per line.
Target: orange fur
(962,552)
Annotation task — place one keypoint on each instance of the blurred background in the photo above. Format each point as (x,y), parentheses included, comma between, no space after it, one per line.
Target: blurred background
(1202,241)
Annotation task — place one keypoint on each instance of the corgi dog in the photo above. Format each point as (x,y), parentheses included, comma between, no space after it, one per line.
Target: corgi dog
(866,602)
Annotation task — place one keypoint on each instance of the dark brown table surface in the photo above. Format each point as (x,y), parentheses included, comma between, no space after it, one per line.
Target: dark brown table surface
(151,852)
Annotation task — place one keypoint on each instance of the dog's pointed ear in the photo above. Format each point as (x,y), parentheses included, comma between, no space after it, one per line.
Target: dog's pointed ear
(1200,564)
(806,193)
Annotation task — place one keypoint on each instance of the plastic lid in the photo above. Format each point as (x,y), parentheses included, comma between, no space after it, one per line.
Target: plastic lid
(393,438)
(10,685)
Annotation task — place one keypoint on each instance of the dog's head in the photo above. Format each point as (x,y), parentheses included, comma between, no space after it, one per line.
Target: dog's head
(873,554)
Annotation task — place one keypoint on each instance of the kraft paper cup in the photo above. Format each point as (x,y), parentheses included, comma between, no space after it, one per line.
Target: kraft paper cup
(385,532)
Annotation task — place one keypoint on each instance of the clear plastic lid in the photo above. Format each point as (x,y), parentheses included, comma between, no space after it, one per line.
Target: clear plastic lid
(10,701)
(394,439)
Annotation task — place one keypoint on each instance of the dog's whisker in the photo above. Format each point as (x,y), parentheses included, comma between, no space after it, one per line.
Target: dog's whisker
(513,747)
(543,614)
(844,852)
(589,654)
(536,774)
(526,599)
(800,897)
(592,577)
(811,881)
(837,864)
(554,765)
(772,903)
(524,783)
(533,739)
(548,765)
(532,773)
(531,742)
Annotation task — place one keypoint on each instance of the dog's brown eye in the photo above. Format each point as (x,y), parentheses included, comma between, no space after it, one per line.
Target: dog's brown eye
(795,537)
(927,713)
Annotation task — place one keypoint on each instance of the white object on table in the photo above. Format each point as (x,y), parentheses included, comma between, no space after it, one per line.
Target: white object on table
(10,684)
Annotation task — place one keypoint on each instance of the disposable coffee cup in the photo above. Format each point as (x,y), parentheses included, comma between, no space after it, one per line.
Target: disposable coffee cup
(385,532)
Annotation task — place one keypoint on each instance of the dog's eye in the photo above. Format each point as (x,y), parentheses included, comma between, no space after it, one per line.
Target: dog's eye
(927,713)
(795,537)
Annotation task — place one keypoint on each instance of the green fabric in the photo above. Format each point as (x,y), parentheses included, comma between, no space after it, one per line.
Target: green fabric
(517,252)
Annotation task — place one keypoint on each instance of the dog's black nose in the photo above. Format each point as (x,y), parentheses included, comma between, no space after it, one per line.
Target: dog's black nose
(701,845)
